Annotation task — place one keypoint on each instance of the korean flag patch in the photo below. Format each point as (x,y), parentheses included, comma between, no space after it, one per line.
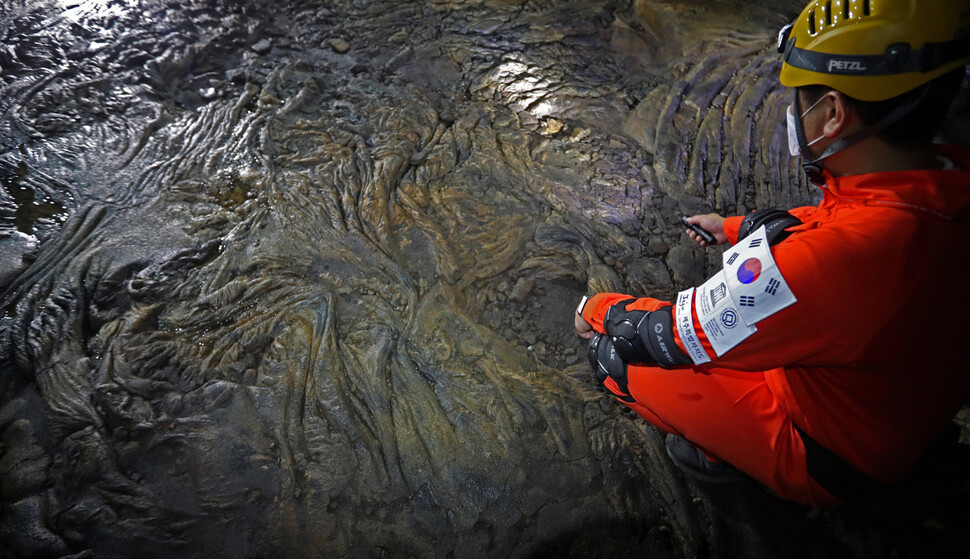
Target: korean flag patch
(753,279)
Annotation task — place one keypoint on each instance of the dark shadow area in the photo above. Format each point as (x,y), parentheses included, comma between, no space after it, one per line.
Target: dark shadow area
(926,515)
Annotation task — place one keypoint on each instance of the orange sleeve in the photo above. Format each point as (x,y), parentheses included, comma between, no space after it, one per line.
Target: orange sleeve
(596,306)
(803,213)
(731,227)
(840,307)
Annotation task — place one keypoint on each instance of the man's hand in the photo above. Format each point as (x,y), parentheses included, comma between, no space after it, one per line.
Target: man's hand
(713,223)
(582,327)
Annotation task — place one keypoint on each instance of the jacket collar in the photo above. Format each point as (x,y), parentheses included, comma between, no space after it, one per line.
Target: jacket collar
(945,194)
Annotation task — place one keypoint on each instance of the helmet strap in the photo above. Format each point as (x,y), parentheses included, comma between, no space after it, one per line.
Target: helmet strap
(814,168)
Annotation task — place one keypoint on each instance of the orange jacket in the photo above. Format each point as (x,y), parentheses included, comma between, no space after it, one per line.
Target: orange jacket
(871,360)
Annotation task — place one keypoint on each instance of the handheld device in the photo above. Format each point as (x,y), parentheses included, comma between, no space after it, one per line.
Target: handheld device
(703,233)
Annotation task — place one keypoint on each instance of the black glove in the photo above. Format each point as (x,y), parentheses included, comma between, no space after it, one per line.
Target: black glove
(605,362)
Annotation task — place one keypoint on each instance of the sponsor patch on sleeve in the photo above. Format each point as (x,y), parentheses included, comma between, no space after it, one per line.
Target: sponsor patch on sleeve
(685,327)
(753,279)
(719,315)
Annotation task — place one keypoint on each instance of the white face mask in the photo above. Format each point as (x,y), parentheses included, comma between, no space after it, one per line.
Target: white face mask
(794,146)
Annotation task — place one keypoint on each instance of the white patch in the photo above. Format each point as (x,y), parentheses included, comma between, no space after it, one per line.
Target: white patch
(685,327)
(754,280)
(720,316)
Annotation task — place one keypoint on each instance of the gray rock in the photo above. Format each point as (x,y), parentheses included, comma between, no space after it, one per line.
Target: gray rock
(339,45)
(262,46)
(16,249)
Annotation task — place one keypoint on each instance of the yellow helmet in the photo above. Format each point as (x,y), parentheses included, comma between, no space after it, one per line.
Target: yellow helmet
(874,50)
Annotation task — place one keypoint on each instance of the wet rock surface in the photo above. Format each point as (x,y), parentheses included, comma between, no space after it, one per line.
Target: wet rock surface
(283,278)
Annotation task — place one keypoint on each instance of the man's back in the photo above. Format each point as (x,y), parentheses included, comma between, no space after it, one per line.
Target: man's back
(883,267)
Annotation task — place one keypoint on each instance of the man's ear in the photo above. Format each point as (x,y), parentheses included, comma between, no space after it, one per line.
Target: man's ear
(838,115)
